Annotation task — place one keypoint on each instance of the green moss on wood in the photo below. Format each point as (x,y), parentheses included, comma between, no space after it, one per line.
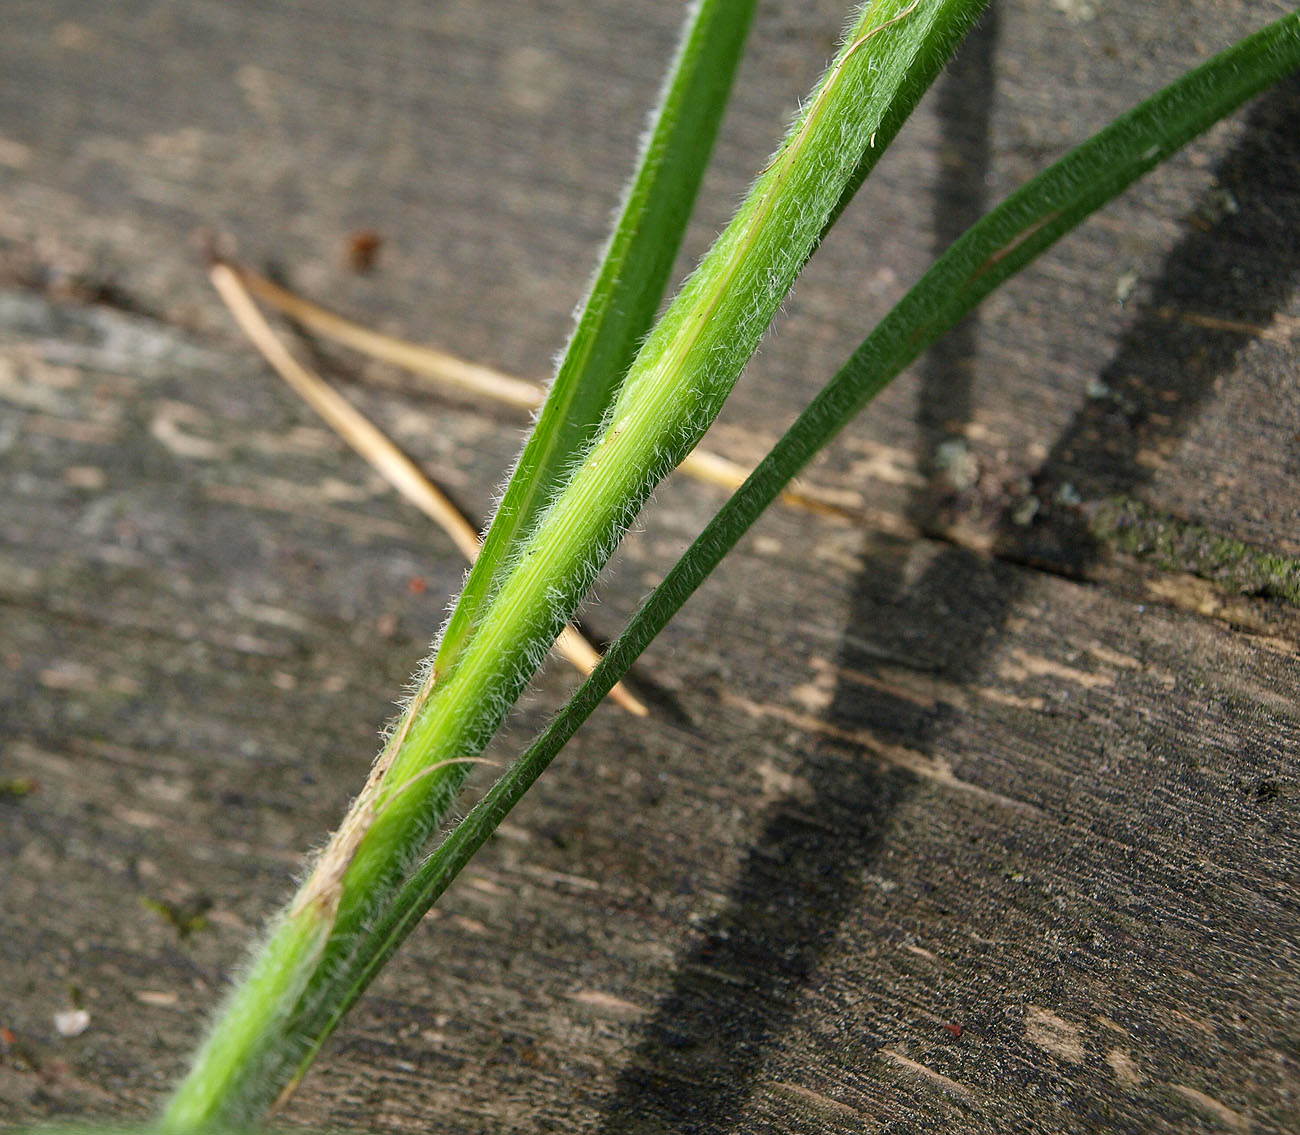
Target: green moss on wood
(1128,526)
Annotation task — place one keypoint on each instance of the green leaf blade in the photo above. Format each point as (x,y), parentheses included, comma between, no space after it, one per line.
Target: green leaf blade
(994,249)
(654,422)
(624,296)
(676,386)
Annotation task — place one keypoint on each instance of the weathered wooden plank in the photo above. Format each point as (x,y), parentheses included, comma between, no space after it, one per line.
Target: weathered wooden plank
(921,835)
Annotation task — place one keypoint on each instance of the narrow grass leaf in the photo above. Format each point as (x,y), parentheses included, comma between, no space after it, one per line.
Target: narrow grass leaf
(677,384)
(624,296)
(989,253)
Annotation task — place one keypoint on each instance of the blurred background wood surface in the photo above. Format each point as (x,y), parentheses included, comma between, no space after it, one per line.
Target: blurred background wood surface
(977,814)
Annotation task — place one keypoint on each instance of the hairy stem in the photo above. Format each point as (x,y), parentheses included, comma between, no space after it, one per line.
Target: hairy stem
(996,248)
(272,1023)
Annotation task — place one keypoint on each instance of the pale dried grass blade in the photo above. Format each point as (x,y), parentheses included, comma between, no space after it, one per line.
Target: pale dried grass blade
(716,470)
(372,444)
(429,362)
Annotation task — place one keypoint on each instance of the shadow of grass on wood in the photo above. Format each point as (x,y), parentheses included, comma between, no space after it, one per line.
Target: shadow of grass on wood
(736,990)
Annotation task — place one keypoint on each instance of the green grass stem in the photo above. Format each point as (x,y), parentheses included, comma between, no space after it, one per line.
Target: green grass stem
(997,247)
(674,389)
(625,294)
(369,888)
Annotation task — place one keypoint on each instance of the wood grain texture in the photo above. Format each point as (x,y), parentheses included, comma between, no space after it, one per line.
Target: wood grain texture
(970,817)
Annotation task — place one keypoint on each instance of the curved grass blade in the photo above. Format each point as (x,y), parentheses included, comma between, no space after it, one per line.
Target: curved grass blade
(994,249)
(891,76)
(624,296)
(678,382)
